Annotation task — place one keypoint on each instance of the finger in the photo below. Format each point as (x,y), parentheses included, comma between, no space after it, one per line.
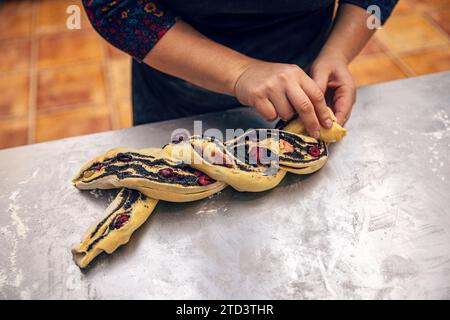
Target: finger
(317,98)
(321,76)
(300,101)
(344,98)
(266,109)
(282,105)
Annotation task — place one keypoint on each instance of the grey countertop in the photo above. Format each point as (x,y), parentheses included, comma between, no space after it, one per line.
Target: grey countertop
(373,223)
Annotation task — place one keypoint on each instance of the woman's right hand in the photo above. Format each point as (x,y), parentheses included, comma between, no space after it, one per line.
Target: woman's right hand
(277,89)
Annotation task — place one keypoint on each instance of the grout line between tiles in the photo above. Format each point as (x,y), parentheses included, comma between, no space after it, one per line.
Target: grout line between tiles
(423,49)
(370,56)
(397,61)
(52,31)
(69,65)
(33,81)
(426,16)
(418,49)
(110,101)
(14,38)
(68,107)
(17,72)
(407,70)
(14,117)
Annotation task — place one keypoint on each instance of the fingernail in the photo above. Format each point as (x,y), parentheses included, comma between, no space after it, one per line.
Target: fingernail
(316,134)
(328,123)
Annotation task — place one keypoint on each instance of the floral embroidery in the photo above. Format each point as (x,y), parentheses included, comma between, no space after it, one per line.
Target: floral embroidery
(132,26)
(150,7)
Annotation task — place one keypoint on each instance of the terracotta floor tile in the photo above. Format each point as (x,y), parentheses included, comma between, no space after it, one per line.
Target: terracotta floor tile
(428,61)
(368,70)
(15,19)
(52,16)
(83,83)
(125,114)
(402,7)
(442,18)
(120,74)
(14,94)
(410,32)
(68,47)
(15,55)
(426,4)
(372,47)
(13,133)
(72,122)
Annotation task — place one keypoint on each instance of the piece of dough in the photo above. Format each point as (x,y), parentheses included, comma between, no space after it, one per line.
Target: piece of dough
(288,149)
(212,158)
(144,170)
(232,162)
(129,210)
(334,134)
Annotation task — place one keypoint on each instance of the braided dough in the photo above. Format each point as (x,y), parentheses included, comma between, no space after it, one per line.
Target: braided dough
(190,170)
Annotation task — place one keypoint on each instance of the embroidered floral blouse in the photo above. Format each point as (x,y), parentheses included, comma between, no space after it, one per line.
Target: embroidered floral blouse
(135,26)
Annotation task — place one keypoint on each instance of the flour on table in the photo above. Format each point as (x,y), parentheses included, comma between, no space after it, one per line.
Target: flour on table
(13,208)
(32,177)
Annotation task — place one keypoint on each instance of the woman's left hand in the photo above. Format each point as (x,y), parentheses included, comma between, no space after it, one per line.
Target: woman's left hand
(330,71)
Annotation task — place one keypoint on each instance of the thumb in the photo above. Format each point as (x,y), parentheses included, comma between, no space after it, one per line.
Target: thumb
(321,76)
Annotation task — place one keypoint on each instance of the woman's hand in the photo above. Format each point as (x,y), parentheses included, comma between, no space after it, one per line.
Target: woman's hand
(330,72)
(277,89)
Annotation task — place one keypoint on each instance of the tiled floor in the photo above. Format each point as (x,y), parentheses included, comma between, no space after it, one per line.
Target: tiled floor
(414,41)
(57,83)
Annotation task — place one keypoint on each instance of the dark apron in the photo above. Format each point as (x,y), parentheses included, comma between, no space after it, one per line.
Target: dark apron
(286,31)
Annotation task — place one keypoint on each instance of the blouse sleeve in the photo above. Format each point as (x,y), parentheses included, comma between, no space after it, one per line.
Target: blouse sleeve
(386,6)
(133,26)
